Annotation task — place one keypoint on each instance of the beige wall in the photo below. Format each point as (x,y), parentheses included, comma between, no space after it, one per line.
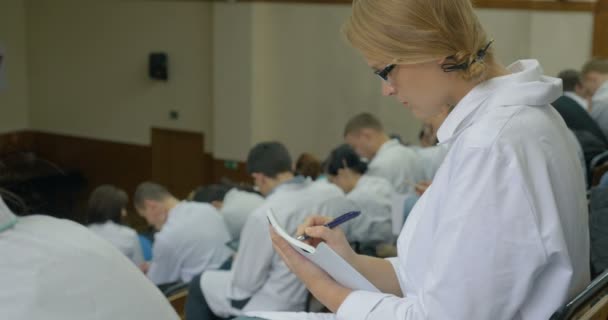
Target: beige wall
(240,72)
(561,40)
(14,99)
(88,67)
(232,77)
(304,81)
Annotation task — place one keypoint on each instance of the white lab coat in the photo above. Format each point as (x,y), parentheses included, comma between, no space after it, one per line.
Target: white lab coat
(373,196)
(238,205)
(192,240)
(432,157)
(502,233)
(56,270)
(599,107)
(399,164)
(258,272)
(123,238)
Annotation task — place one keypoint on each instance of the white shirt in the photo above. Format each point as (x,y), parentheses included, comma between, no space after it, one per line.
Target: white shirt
(56,270)
(578,99)
(192,240)
(238,205)
(502,232)
(397,163)
(432,157)
(122,237)
(599,107)
(373,196)
(258,272)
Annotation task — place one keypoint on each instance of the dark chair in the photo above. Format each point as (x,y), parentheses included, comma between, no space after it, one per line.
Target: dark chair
(591,304)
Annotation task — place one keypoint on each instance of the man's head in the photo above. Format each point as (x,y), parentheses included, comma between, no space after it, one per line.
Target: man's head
(269,164)
(594,75)
(152,203)
(213,194)
(571,81)
(365,134)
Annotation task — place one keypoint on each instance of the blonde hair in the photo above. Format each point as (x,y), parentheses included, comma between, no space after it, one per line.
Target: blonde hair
(418,31)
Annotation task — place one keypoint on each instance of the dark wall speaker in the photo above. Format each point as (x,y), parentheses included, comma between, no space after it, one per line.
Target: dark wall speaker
(158,67)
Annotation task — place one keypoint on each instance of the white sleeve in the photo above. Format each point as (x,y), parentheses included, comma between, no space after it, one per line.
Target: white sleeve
(486,254)
(253,260)
(165,264)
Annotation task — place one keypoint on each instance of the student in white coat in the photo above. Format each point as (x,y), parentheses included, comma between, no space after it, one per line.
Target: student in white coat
(502,232)
(191,239)
(595,83)
(56,269)
(259,280)
(234,205)
(388,158)
(106,208)
(372,195)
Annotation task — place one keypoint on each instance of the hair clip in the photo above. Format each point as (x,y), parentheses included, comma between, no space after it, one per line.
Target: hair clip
(451,67)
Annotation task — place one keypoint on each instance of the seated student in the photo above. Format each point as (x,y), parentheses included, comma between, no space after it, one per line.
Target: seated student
(588,133)
(258,279)
(191,236)
(105,210)
(55,269)
(234,205)
(371,194)
(595,82)
(388,158)
(502,233)
(308,166)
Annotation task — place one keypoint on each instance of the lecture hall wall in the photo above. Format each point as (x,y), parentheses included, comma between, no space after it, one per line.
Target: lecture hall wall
(14,99)
(239,72)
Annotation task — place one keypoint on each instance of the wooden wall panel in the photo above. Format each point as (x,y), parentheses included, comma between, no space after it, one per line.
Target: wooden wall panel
(125,165)
(549,5)
(227,169)
(600,29)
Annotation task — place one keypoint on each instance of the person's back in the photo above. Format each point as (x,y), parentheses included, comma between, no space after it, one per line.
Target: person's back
(123,238)
(56,269)
(431,158)
(399,164)
(595,82)
(373,195)
(237,207)
(191,241)
(258,274)
(388,158)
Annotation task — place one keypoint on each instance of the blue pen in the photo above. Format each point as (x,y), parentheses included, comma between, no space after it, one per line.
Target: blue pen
(336,222)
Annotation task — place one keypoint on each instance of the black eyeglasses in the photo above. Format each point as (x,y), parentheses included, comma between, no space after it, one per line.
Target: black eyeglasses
(384,72)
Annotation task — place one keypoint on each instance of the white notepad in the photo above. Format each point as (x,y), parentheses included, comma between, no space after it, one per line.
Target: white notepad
(326,258)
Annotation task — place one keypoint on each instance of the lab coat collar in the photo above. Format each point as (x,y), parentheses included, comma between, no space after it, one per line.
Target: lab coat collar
(295,180)
(526,85)
(7,217)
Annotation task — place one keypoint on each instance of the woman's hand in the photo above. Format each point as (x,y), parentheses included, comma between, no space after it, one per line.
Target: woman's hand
(321,285)
(314,227)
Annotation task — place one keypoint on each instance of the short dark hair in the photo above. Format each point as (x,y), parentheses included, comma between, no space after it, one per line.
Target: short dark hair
(342,155)
(210,193)
(269,158)
(149,191)
(106,204)
(361,121)
(599,65)
(570,79)
(308,165)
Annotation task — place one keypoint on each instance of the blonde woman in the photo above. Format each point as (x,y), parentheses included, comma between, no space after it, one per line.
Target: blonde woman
(502,231)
